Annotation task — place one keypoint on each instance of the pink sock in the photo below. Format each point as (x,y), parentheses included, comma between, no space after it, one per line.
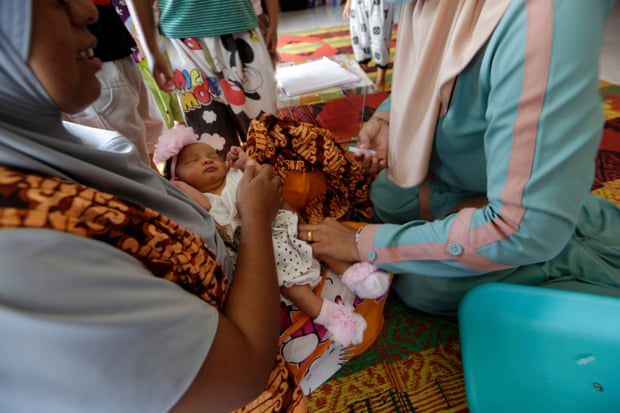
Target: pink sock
(346,326)
(366,280)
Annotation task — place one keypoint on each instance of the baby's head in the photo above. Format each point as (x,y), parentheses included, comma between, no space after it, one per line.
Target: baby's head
(192,161)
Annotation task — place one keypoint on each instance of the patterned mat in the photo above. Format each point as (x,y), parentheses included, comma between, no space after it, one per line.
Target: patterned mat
(415,364)
(310,44)
(607,179)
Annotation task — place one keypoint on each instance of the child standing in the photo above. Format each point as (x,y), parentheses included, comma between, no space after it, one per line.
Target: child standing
(370,25)
(195,167)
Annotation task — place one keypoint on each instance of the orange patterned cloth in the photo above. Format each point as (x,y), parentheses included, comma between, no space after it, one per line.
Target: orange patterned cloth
(168,250)
(320,180)
(313,166)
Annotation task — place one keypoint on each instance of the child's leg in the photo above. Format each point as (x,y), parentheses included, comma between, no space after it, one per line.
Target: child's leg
(363,278)
(345,325)
(304,298)
(364,64)
(381,18)
(337,266)
(360,37)
(380,80)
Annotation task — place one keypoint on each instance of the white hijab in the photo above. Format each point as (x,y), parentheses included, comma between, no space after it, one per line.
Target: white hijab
(436,40)
(34,138)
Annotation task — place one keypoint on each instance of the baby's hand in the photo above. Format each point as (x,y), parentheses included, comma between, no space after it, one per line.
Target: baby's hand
(237,157)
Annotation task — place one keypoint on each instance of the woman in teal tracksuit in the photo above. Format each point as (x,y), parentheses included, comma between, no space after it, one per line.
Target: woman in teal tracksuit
(493,125)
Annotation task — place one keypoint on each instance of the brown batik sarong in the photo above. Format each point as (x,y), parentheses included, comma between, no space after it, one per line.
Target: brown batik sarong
(313,167)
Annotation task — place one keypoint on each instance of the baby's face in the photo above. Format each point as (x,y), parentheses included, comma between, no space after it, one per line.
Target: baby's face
(199,165)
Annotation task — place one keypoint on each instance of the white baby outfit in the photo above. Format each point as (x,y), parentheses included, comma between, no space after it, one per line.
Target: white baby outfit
(294,262)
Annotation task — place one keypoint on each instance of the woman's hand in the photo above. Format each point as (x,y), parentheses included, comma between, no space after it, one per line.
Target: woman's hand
(374,135)
(330,239)
(259,195)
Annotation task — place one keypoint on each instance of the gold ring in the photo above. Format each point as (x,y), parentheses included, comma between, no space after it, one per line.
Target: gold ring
(309,236)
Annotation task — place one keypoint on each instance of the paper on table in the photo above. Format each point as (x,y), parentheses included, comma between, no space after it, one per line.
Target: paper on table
(311,76)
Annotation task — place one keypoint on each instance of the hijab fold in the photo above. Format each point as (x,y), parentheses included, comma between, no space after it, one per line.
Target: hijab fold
(436,41)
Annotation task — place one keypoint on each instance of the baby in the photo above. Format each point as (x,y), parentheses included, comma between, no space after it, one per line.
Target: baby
(196,168)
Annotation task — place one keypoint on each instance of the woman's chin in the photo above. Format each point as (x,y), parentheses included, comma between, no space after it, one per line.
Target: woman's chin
(81,101)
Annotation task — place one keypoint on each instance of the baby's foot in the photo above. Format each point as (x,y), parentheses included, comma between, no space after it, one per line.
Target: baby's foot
(366,280)
(346,326)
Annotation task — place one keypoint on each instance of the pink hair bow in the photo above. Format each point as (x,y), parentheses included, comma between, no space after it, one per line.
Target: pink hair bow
(172,141)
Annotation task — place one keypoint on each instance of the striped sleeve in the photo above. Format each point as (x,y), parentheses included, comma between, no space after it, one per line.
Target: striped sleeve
(544,123)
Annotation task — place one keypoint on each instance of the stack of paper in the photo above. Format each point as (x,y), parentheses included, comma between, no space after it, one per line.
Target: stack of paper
(312,76)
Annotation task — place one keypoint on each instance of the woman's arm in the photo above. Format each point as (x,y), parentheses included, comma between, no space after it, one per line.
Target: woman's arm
(541,132)
(243,353)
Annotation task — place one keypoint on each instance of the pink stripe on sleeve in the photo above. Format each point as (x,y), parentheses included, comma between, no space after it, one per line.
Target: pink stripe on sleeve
(539,37)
